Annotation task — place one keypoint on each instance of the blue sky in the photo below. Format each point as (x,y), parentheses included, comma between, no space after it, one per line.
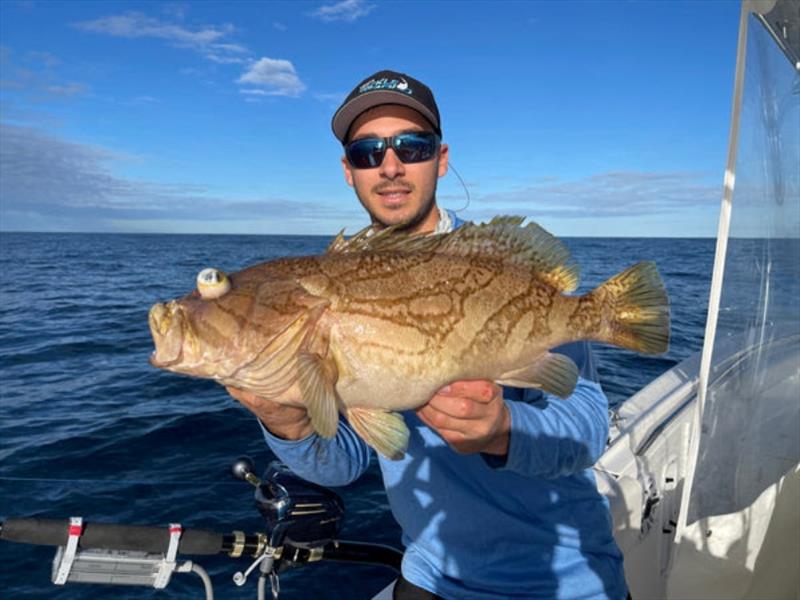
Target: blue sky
(592,118)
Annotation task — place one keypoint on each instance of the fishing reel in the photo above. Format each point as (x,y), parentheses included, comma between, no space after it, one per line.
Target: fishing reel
(303,520)
(297,512)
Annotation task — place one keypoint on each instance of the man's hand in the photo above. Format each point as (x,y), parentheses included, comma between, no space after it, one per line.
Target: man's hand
(471,416)
(284,421)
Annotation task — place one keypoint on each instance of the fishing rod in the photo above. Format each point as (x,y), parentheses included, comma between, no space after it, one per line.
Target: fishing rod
(303,524)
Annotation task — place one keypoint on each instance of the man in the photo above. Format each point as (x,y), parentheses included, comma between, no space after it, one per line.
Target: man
(494,496)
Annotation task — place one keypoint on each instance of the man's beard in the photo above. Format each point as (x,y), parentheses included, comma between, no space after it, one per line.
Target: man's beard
(424,211)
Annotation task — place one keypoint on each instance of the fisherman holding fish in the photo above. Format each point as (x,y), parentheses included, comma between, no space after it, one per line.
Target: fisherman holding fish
(459,357)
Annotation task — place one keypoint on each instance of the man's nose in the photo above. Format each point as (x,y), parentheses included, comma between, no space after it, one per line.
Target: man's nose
(392,166)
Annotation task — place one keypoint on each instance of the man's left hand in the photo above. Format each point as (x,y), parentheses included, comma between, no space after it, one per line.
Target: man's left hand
(471,416)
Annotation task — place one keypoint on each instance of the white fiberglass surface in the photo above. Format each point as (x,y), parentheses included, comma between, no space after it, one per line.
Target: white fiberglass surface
(750,434)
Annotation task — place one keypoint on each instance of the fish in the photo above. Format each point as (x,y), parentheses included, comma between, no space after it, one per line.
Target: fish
(380,321)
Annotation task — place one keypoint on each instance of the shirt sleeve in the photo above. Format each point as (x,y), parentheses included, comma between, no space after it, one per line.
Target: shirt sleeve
(551,437)
(329,462)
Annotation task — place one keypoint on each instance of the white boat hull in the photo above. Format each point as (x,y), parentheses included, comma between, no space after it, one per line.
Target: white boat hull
(750,552)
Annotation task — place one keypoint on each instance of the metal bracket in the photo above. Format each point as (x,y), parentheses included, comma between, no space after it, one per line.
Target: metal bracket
(66,555)
(167,565)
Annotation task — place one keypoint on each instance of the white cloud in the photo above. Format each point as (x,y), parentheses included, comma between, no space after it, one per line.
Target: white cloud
(34,78)
(49,183)
(336,98)
(279,26)
(44,170)
(272,77)
(612,194)
(69,89)
(144,99)
(177,10)
(263,77)
(331,100)
(210,41)
(346,10)
(45,58)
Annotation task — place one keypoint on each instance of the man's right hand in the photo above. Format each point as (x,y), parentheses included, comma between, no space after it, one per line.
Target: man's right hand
(282,420)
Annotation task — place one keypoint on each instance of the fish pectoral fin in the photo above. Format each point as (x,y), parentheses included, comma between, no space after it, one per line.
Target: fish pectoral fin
(554,373)
(384,431)
(317,378)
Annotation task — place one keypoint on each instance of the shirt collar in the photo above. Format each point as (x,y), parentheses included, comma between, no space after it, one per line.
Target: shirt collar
(445,223)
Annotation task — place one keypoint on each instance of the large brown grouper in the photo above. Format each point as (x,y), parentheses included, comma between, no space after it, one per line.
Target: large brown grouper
(381,321)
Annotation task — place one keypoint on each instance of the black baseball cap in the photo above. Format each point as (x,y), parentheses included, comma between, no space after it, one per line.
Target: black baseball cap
(385,87)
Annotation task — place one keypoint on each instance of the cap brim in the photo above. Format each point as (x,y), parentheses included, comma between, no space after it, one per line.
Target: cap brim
(349,112)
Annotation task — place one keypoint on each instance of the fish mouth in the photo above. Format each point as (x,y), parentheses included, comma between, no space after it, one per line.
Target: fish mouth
(166,327)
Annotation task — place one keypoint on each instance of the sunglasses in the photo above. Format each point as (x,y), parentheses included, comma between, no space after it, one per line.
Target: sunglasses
(412,147)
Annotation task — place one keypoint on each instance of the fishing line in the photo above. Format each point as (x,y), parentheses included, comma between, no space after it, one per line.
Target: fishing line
(120,481)
(464,185)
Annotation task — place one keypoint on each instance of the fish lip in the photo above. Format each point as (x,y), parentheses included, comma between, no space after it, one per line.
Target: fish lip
(164,364)
(155,318)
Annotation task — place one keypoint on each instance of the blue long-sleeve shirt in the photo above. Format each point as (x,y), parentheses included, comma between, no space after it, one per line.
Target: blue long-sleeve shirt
(527,525)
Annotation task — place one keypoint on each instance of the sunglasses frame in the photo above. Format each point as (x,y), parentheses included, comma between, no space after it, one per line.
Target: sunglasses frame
(389,142)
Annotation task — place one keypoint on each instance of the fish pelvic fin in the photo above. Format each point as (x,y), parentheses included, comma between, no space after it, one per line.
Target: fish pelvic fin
(636,306)
(553,373)
(317,377)
(385,431)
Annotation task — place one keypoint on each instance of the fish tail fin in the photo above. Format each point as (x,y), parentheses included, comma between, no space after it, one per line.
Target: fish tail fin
(636,309)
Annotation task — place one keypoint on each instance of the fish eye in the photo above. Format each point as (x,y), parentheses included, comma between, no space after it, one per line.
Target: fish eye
(212,283)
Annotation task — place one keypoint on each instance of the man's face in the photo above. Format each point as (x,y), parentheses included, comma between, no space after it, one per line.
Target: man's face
(395,193)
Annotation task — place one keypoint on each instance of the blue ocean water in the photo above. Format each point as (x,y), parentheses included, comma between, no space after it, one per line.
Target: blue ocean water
(88,427)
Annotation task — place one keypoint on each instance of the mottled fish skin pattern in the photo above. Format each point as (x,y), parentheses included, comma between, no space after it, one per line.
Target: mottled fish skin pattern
(391,325)
(430,319)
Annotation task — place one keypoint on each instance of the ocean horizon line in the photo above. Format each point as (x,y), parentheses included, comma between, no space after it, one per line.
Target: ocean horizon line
(323,235)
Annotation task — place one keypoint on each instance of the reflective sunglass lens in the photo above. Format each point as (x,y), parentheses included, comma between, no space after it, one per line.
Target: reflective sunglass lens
(414,148)
(366,154)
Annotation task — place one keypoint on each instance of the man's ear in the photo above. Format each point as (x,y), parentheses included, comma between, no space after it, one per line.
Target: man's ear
(348,171)
(444,157)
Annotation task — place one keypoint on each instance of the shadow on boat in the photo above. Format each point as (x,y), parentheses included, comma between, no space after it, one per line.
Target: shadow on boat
(572,515)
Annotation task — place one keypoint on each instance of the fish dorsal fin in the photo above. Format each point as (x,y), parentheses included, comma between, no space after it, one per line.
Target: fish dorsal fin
(503,238)
(337,244)
(387,239)
(507,239)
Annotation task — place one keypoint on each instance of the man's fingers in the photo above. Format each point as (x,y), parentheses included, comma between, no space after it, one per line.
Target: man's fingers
(462,415)
(446,425)
(479,390)
(468,426)
(458,407)
(458,439)
(423,413)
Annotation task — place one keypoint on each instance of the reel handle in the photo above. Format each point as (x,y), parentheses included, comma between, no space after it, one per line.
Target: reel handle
(242,468)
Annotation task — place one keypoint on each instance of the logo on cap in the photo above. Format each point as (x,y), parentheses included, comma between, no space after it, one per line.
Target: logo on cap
(397,85)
